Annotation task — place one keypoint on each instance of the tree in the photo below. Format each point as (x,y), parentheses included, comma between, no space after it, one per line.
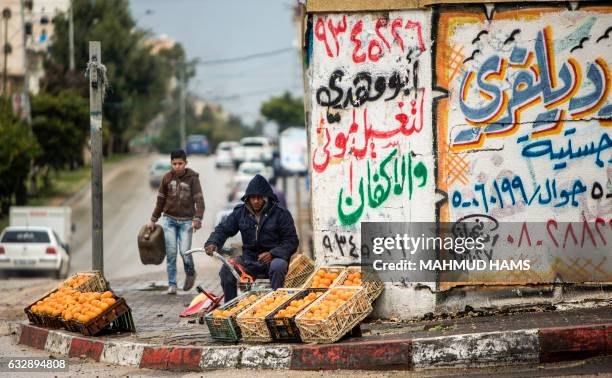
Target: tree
(17,149)
(60,123)
(285,110)
(137,78)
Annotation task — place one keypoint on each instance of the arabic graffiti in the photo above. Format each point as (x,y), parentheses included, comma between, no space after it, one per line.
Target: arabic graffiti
(544,147)
(511,191)
(394,175)
(495,108)
(360,88)
(361,138)
(391,36)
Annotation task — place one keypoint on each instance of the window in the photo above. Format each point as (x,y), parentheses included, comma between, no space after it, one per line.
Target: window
(25,236)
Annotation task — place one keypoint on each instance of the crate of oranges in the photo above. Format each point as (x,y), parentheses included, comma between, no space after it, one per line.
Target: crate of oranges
(281,322)
(370,281)
(300,268)
(252,321)
(222,321)
(87,282)
(334,314)
(87,313)
(325,277)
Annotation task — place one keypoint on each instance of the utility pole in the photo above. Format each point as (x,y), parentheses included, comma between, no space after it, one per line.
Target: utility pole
(6,15)
(182,85)
(96,93)
(26,75)
(71,36)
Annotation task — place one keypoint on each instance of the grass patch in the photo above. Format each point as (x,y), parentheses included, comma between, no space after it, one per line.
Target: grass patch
(66,183)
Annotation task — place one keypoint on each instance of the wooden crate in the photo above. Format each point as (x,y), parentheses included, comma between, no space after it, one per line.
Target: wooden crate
(255,328)
(341,270)
(227,329)
(96,282)
(338,323)
(300,268)
(370,282)
(117,317)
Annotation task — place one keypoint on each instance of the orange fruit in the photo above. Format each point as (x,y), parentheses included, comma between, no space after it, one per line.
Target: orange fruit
(107,294)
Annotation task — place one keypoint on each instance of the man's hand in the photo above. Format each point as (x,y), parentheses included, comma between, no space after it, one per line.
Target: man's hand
(265,257)
(151,226)
(196,224)
(210,249)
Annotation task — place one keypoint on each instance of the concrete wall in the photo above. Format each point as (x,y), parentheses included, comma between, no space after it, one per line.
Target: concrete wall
(446,114)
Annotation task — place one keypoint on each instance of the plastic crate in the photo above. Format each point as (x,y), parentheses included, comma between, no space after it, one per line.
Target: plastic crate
(96,282)
(338,323)
(227,329)
(254,328)
(300,268)
(118,317)
(341,270)
(43,320)
(370,282)
(284,329)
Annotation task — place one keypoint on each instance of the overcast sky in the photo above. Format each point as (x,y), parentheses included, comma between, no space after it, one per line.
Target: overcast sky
(221,29)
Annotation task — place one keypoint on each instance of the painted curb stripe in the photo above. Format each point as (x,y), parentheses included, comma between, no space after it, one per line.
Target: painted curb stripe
(475,349)
(81,347)
(353,355)
(58,343)
(573,343)
(125,354)
(33,336)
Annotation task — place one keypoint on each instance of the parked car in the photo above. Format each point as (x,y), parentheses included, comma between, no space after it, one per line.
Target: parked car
(197,144)
(157,171)
(248,170)
(253,149)
(237,190)
(34,248)
(223,156)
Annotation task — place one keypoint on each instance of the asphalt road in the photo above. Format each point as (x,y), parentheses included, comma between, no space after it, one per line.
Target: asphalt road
(128,204)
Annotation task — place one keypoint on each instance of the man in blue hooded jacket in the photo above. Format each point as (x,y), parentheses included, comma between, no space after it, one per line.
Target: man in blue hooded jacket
(268,237)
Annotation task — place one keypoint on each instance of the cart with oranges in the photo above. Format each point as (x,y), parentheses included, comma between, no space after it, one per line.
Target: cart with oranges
(222,323)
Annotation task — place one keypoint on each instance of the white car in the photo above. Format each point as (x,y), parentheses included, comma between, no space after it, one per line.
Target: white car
(248,170)
(224,156)
(253,149)
(33,248)
(157,171)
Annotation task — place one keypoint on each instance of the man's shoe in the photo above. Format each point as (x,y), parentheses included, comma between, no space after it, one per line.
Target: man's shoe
(189,282)
(171,289)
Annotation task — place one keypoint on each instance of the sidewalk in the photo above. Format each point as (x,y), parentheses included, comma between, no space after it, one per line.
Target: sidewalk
(165,341)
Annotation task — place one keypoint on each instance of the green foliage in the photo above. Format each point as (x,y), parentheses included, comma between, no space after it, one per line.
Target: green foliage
(17,149)
(61,125)
(137,78)
(285,110)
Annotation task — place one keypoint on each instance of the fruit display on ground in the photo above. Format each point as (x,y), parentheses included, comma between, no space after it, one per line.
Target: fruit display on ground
(267,305)
(323,278)
(330,303)
(297,305)
(244,303)
(73,305)
(353,279)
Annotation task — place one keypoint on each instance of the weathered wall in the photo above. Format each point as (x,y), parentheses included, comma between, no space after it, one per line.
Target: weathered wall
(455,112)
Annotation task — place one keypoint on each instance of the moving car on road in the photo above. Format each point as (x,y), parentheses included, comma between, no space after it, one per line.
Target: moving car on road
(197,144)
(248,170)
(253,149)
(34,248)
(157,172)
(223,157)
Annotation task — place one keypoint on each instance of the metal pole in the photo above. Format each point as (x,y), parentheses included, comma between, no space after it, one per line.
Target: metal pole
(182,103)
(6,14)
(26,74)
(71,37)
(96,89)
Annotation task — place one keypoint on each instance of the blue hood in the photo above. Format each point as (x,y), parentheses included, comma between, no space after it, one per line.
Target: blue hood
(259,186)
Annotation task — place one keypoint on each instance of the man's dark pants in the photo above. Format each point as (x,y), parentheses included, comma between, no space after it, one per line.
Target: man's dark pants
(275,271)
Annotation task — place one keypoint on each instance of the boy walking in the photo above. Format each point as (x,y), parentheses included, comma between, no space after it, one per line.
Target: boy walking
(180,200)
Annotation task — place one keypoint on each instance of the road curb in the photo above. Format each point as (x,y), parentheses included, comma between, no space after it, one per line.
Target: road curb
(551,344)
